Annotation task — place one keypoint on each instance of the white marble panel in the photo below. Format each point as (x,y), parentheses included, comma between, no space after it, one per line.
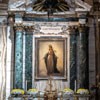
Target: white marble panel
(0,41)
(2,60)
(8,45)
(8,64)
(0,55)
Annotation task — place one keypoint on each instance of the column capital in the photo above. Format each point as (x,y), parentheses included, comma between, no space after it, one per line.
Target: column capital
(82,28)
(22,27)
(19,27)
(72,30)
(29,28)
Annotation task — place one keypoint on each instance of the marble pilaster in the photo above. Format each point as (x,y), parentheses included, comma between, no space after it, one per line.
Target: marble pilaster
(73,58)
(82,50)
(18,79)
(28,59)
(3,51)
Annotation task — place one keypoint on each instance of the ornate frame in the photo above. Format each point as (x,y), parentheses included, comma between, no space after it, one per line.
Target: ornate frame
(41,43)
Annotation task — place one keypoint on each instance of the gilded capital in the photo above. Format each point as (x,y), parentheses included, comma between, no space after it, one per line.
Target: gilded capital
(19,27)
(29,28)
(82,28)
(72,29)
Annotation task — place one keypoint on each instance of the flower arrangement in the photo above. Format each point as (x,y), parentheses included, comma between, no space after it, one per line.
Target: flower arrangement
(17,91)
(83,91)
(32,91)
(68,91)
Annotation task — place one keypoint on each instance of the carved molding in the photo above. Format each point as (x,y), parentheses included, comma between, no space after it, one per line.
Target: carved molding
(48,28)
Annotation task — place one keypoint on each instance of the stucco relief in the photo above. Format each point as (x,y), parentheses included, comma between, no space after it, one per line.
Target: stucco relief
(50,28)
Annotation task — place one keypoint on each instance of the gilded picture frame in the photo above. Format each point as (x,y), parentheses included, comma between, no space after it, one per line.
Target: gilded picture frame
(50,57)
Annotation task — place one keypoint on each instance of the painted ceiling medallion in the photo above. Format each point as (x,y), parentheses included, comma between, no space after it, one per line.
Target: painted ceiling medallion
(51,6)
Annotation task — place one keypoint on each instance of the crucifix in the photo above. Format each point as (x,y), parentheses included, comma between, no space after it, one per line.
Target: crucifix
(50,93)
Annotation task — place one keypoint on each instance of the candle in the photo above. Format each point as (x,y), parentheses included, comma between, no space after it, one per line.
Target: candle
(75,86)
(26,85)
(61,85)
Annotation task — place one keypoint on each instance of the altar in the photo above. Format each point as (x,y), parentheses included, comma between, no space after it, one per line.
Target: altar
(50,94)
(42,43)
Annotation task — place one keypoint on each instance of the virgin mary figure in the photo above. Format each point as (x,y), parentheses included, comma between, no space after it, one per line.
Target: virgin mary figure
(51,61)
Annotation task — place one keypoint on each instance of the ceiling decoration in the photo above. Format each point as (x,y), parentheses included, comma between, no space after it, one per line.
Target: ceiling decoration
(51,6)
(48,7)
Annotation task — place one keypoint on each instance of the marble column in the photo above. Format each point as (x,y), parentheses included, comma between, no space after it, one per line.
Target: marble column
(18,79)
(28,58)
(73,35)
(82,50)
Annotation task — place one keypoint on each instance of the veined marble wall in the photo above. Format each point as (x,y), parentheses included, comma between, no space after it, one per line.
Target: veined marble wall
(2,61)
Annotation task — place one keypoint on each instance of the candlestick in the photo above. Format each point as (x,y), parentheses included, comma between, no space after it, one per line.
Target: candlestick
(26,85)
(61,85)
(75,86)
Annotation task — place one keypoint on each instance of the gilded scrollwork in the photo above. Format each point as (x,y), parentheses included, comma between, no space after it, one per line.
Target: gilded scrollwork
(72,30)
(22,27)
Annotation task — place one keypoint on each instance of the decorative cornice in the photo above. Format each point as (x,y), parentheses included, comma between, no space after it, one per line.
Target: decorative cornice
(42,15)
(45,26)
(65,15)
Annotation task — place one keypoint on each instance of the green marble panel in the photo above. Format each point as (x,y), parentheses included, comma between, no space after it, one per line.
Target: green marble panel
(18,79)
(28,60)
(73,60)
(83,58)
